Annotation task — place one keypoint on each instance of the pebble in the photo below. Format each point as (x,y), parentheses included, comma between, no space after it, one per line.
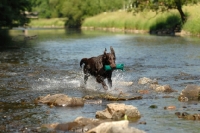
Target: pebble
(143,122)
(170,107)
(153,106)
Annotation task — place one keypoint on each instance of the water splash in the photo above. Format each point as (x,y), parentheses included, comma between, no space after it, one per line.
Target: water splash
(120,83)
(55,83)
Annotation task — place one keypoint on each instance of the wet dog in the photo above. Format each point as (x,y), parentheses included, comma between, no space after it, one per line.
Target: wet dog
(95,66)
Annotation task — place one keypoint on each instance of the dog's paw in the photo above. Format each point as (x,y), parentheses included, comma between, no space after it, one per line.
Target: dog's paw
(105,87)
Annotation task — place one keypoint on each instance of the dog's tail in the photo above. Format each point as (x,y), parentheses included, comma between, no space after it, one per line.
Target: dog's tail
(84,60)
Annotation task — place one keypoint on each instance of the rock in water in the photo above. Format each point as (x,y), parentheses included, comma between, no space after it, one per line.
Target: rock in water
(117,111)
(60,100)
(115,127)
(191,92)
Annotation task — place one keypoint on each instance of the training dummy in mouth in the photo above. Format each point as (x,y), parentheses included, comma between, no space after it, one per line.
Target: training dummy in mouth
(118,66)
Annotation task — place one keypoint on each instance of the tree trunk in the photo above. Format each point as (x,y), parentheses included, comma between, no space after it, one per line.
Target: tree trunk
(179,8)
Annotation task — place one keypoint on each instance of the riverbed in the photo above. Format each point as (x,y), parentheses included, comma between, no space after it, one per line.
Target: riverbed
(48,63)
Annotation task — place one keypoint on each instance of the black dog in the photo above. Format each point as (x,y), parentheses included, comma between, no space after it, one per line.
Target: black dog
(95,66)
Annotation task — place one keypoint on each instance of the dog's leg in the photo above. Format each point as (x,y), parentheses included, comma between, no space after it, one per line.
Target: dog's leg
(100,79)
(86,73)
(109,75)
(86,77)
(110,82)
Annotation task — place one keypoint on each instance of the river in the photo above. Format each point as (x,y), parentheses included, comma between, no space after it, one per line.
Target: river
(49,64)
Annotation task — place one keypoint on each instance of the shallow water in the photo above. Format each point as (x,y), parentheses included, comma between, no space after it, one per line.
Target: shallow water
(49,64)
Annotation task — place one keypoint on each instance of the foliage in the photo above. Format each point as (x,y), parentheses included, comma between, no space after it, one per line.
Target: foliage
(13,12)
(46,8)
(162,6)
(75,10)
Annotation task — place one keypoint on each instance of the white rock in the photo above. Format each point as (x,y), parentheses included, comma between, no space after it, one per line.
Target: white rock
(115,127)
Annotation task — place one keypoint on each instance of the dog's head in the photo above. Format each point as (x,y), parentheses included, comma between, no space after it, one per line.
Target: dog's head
(109,58)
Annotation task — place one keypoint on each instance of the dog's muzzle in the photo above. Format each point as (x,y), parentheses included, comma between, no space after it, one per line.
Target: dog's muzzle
(113,65)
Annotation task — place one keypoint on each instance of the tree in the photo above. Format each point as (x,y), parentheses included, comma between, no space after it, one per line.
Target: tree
(13,12)
(74,10)
(163,5)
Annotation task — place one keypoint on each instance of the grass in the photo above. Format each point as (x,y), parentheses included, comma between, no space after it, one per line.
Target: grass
(53,22)
(193,22)
(127,20)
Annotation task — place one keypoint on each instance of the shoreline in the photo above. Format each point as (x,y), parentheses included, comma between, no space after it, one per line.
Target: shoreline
(123,30)
(135,31)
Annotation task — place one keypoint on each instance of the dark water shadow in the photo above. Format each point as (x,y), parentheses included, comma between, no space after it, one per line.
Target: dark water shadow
(73,31)
(11,42)
(169,26)
(5,38)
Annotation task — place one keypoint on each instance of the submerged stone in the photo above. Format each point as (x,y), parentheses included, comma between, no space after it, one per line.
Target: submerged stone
(187,116)
(191,92)
(109,97)
(153,106)
(153,84)
(170,107)
(145,80)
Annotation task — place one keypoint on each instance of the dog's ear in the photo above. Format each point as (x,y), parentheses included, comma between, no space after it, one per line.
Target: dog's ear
(104,54)
(112,50)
